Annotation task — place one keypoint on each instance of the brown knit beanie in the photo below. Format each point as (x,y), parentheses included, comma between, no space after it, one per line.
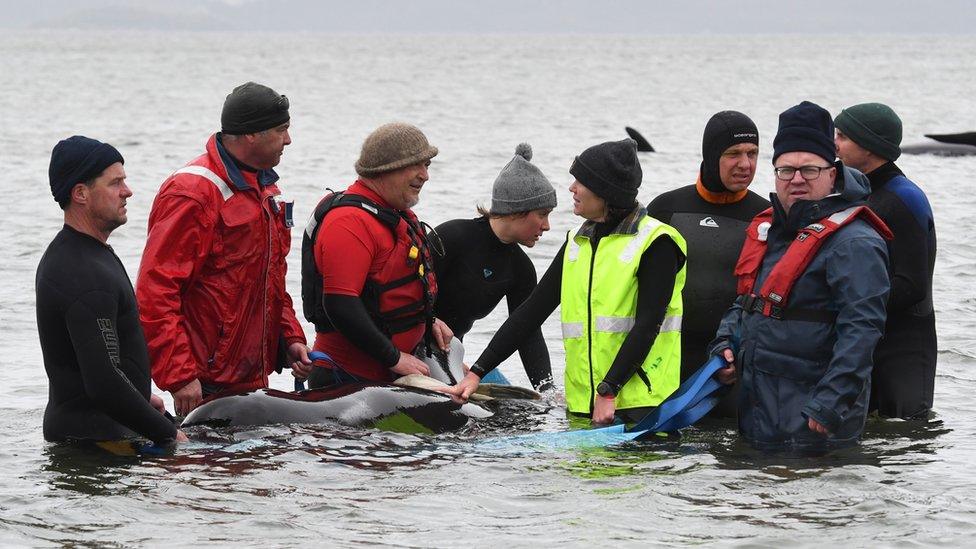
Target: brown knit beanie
(391,147)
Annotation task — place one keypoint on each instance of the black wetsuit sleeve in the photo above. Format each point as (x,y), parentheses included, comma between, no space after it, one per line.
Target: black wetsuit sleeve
(349,316)
(909,260)
(533,351)
(92,325)
(656,273)
(528,317)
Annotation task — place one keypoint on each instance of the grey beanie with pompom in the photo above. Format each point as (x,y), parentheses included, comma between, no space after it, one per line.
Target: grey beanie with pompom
(521,186)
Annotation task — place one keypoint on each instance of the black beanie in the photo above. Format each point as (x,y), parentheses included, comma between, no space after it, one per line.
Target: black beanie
(76,160)
(611,170)
(252,108)
(723,130)
(806,127)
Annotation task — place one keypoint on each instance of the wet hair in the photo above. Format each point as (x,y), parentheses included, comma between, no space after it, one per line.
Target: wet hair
(484,212)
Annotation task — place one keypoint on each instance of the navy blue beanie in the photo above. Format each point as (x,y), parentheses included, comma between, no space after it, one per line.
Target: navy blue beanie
(806,127)
(78,159)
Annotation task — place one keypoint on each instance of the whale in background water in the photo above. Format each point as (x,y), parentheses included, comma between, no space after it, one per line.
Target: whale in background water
(947,144)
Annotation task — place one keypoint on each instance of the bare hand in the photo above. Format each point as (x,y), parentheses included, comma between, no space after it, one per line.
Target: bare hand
(298,360)
(410,364)
(188,397)
(181,436)
(462,391)
(156,402)
(726,376)
(603,410)
(442,335)
(817,427)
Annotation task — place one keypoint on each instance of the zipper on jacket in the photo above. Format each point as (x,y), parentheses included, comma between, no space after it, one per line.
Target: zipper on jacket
(267,269)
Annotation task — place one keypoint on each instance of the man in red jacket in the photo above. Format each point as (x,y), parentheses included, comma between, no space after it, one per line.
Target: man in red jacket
(211,286)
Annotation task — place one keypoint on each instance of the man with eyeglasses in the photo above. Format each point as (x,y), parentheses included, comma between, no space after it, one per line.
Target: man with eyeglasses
(211,286)
(368,281)
(812,284)
(712,216)
(903,380)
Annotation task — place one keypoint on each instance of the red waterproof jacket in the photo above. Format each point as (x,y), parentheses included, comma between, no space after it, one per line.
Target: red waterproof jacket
(211,286)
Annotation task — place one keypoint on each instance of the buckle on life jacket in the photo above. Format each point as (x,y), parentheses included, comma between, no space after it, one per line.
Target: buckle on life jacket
(755,304)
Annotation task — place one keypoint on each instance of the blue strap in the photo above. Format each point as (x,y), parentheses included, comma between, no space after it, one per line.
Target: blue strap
(689,403)
(496,377)
(315,356)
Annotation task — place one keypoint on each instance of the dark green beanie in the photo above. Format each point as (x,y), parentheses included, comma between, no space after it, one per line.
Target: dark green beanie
(873,126)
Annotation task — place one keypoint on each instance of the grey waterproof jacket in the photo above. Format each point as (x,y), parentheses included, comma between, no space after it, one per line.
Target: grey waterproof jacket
(792,370)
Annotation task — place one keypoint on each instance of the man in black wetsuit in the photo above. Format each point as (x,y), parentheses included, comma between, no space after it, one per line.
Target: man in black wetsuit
(713,215)
(93,346)
(868,138)
(481,261)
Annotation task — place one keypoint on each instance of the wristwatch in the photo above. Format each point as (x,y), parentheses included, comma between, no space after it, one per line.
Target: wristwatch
(608,390)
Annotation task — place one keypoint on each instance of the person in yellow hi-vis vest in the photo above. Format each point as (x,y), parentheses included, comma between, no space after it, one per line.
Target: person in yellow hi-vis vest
(619,279)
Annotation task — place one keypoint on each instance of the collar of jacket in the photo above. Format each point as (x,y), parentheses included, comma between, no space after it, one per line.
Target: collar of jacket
(851,191)
(628,225)
(265,177)
(727,197)
(883,174)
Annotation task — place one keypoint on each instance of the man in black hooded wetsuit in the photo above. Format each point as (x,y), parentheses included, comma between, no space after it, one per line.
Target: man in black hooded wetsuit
(712,216)
(93,346)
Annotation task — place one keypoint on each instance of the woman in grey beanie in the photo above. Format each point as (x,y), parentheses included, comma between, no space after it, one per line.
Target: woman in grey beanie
(617,281)
(482,261)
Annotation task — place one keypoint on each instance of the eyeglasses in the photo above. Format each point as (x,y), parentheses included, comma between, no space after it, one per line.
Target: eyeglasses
(809,173)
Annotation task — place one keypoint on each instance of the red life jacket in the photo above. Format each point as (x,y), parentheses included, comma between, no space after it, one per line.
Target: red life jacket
(772,298)
(401,296)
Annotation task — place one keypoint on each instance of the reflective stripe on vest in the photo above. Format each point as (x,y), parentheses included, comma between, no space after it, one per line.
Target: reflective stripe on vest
(221,185)
(597,314)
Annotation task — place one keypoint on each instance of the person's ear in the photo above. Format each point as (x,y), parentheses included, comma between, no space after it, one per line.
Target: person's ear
(79,193)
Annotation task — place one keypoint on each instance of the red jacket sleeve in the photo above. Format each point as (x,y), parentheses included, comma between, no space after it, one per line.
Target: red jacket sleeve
(181,229)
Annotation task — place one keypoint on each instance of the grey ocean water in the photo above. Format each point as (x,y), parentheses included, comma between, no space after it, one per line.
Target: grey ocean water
(158,96)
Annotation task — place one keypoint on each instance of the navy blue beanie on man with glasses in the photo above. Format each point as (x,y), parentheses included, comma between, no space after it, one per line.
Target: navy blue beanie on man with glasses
(806,127)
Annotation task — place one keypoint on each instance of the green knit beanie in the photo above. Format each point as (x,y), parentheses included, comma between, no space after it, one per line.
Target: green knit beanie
(873,126)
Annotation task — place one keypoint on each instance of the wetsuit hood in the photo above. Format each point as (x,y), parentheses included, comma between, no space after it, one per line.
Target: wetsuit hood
(724,129)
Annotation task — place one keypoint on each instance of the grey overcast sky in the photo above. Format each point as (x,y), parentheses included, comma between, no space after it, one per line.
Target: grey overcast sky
(502,16)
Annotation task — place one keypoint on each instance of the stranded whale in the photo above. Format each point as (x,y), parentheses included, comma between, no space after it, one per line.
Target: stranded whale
(377,405)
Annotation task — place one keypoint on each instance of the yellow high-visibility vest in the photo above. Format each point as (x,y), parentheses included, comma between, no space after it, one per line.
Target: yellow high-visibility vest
(598,303)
